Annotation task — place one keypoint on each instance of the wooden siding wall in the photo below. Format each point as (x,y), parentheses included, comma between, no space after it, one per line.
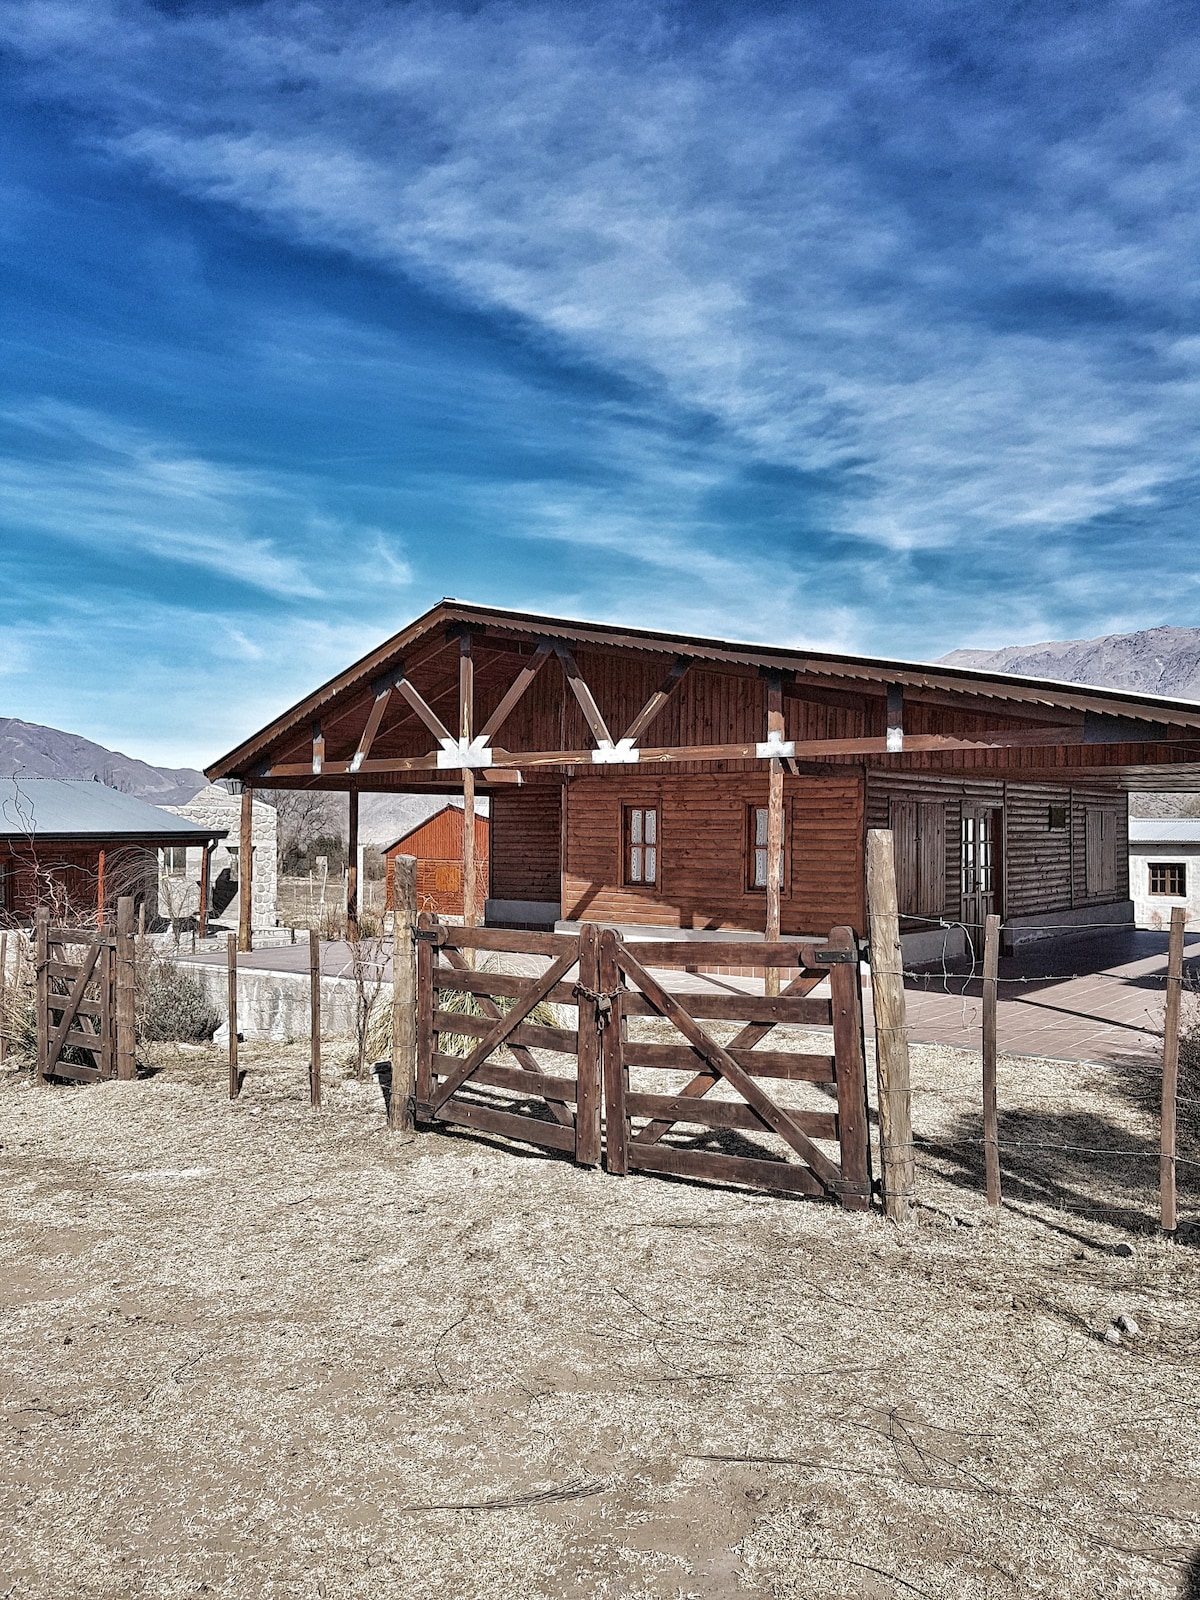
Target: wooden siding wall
(66,877)
(703,852)
(1042,871)
(437,846)
(527,843)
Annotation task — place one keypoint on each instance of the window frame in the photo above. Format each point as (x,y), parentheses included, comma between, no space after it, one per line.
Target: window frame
(1167,867)
(751,846)
(640,809)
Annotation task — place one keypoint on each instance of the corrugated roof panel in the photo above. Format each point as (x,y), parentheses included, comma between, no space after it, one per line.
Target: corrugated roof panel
(77,808)
(1164,830)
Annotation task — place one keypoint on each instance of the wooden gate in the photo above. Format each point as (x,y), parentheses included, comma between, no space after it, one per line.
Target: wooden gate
(719,1124)
(84,1002)
(460,1079)
(765,1139)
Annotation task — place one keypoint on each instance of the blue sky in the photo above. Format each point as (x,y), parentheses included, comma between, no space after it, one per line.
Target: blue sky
(859,326)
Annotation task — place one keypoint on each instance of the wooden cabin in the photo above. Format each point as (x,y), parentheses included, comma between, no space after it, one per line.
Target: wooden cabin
(664,780)
(437,845)
(76,846)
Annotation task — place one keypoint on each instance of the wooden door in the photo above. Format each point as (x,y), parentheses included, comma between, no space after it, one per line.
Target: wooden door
(980,868)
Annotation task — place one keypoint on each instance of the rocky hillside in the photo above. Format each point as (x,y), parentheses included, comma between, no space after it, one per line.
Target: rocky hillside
(29,749)
(1156,661)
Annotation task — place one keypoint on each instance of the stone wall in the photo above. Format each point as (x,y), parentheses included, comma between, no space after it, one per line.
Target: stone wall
(179,887)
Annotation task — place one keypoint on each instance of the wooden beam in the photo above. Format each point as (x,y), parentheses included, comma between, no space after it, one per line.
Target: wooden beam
(352,866)
(897,1155)
(466,723)
(382,697)
(895,717)
(775,733)
(205,874)
(426,713)
(516,691)
(318,749)
(246,871)
(658,699)
(587,704)
(404,994)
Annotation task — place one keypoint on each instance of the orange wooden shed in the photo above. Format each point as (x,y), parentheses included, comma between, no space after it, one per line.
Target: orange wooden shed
(437,845)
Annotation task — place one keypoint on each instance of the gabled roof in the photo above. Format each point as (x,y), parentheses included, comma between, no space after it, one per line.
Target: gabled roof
(77,808)
(451,805)
(851,670)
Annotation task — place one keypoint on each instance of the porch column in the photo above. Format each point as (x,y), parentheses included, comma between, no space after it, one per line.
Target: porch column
(246,871)
(352,867)
(774,825)
(466,709)
(100,890)
(205,868)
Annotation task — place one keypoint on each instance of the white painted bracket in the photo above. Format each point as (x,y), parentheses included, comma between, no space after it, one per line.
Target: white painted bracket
(608,754)
(776,745)
(464,753)
(895,740)
(356,761)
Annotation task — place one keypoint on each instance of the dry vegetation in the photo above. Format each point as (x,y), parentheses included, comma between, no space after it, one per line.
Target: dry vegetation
(256,1352)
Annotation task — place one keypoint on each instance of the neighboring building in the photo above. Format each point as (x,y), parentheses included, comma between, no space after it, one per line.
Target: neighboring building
(180,873)
(437,844)
(77,846)
(1164,868)
(642,778)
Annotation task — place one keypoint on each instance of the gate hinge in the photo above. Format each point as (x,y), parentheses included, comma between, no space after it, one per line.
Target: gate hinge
(434,936)
(832,958)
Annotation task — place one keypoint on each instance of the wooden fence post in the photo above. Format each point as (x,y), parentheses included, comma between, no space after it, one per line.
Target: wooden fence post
(41,958)
(1170,1070)
(126,996)
(246,871)
(991,1138)
(231,952)
(897,1159)
(588,1054)
(404,993)
(314,987)
(3,995)
(612,1057)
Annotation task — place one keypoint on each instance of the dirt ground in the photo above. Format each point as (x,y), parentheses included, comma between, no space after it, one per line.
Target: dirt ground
(253,1351)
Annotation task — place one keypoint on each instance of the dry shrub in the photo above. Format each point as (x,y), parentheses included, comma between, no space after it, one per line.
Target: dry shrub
(173,1005)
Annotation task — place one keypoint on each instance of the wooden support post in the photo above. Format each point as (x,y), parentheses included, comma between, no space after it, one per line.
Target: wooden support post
(126,995)
(231,955)
(612,1058)
(314,989)
(774,826)
(897,1160)
(404,993)
(588,1071)
(1170,1069)
(3,995)
(100,864)
(246,871)
(425,1007)
(991,1140)
(466,728)
(41,959)
(205,874)
(352,866)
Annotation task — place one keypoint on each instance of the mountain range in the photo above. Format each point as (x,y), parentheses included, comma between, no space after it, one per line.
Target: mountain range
(27,749)
(1156,661)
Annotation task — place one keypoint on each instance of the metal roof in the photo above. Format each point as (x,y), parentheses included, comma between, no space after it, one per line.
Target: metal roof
(1164,830)
(77,808)
(824,664)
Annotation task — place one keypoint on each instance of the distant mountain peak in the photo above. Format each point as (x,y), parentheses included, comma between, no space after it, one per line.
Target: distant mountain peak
(1162,661)
(31,750)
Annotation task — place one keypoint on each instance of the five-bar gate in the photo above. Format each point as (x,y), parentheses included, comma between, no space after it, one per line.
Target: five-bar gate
(696,1082)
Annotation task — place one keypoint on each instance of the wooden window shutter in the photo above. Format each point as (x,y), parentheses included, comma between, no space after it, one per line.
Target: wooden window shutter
(1109,852)
(903,818)
(931,858)
(1093,851)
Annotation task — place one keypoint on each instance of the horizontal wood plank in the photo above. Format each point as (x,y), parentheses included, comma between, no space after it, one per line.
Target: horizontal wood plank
(538,1085)
(718,952)
(786,1064)
(513,940)
(710,1113)
(789,1177)
(798,1010)
(507,1125)
(499,985)
(533,1035)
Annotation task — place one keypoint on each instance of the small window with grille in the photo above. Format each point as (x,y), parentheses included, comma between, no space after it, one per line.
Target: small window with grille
(1056,819)
(641,845)
(1169,878)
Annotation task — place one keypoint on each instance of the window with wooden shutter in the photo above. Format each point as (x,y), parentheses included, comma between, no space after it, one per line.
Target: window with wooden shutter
(919,834)
(641,845)
(1100,851)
